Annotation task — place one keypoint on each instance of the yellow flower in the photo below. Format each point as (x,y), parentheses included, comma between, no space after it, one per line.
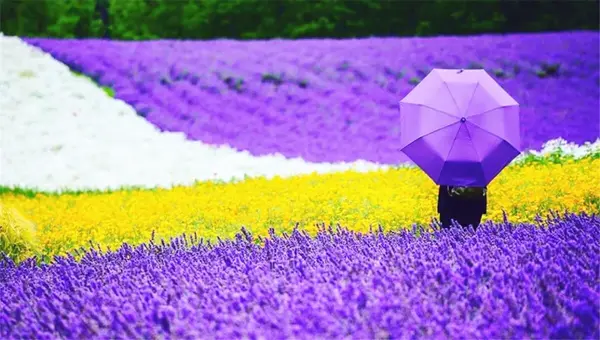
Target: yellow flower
(18,236)
(394,199)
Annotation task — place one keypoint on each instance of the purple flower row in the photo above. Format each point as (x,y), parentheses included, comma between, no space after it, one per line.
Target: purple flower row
(503,281)
(336,100)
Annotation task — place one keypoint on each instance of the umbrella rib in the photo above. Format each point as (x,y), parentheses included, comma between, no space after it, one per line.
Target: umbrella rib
(429,133)
(476,152)
(446,113)
(472,96)
(448,155)
(431,108)
(451,96)
(502,141)
(490,110)
(493,134)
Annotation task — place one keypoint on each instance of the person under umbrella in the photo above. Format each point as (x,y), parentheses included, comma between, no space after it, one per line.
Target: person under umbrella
(465,205)
(461,128)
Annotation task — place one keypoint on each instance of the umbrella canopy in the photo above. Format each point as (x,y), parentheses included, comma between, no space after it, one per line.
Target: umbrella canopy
(460,127)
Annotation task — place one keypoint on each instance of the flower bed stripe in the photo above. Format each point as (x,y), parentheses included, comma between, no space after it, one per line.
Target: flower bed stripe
(394,198)
(505,281)
(335,100)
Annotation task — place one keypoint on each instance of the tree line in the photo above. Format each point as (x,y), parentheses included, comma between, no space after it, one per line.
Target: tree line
(265,19)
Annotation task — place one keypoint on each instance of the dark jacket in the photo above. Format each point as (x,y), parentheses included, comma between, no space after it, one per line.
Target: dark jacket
(472,201)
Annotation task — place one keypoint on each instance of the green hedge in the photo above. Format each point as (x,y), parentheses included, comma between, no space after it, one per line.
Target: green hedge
(260,19)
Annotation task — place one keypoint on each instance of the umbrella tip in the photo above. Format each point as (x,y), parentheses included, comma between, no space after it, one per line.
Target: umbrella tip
(463,119)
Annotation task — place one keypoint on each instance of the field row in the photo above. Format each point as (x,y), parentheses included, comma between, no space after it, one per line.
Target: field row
(71,135)
(335,100)
(395,199)
(530,281)
(84,138)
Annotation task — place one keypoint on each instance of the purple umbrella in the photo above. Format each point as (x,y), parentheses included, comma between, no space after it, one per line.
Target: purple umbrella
(460,127)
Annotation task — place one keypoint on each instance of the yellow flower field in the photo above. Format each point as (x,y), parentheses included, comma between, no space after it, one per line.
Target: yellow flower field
(394,198)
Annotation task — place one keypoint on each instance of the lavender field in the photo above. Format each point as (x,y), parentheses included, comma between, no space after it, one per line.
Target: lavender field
(322,100)
(505,281)
(336,100)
